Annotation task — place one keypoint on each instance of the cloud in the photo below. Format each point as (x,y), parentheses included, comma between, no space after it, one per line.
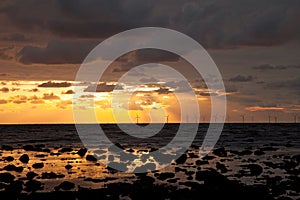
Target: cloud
(64,104)
(37,101)
(103,87)
(3,101)
(33,90)
(205,94)
(18,99)
(265,67)
(215,24)
(56,52)
(55,84)
(241,78)
(289,84)
(50,96)
(148,80)
(260,108)
(87,96)
(4,89)
(163,90)
(4,53)
(68,92)
(17,37)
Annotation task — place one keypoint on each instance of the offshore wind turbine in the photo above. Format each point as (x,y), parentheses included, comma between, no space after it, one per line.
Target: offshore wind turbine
(137,119)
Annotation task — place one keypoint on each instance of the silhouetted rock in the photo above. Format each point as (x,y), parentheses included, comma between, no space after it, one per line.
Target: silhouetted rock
(207,157)
(259,152)
(15,187)
(68,167)
(6,177)
(24,158)
(181,159)
(13,168)
(65,150)
(118,166)
(164,175)
(51,175)
(81,152)
(221,152)
(29,148)
(33,185)
(211,177)
(66,185)
(31,175)
(145,168)
(221,167)
(202,162)
(255,170)
(38,165)
(91,158)
(7,148)
(269,149)
(9,158)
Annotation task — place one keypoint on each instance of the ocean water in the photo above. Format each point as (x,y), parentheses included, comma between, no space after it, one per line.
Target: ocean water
(234,136)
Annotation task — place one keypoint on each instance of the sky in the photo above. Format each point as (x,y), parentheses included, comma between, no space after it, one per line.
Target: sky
(255,45)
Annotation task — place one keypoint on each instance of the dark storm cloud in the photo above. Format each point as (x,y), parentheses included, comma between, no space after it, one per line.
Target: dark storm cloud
(56,52)
(148,80)
(55,84)
(293,84)
(17,37)
(215,24)
(103,87)
(241,78)
(265,67)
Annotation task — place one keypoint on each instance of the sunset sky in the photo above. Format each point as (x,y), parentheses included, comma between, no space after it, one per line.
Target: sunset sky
(255,44)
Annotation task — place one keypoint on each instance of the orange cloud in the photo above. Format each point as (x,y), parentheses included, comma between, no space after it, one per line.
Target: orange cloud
(260,108)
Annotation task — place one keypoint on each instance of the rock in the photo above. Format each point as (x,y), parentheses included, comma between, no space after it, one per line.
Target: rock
(145,168)
(81,152)
(9,158)
(28,148)
(24,158)
(33,185)
(259,152)
(130,150)
(91,158)
(221,167)
(15,187)
(66,185)
(255,169)
(119,166)
(181,159)
(207,157)
(212,177)
(165,175)
(38,165)
(202,162)
(13,168)
(31,175)
(221,152)
(65,150)
(178,169)
(7,148)
(68,167)
(193,155)
(119,145)
(51,175)
(269,149)
(6,177)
